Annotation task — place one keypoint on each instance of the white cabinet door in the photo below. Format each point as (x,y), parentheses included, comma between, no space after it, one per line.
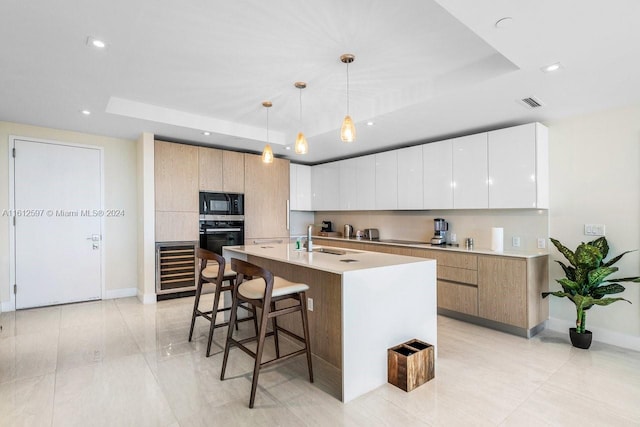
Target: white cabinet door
(366,182)
(348,179)
(325,183)
(300,187)
(293,186)
(387,180)
(410,179)
(513,167)
(437,161)
(470,176)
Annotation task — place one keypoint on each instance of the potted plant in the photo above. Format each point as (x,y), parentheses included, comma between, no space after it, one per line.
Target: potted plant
(586,283)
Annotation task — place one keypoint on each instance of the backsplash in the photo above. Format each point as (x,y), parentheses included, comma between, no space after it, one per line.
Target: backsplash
(528,224)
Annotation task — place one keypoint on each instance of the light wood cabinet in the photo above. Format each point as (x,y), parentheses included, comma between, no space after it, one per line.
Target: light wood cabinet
(497,291)
(232,172)
(176,226)
(266,198)
(176,177)
(210,169)
(220,170)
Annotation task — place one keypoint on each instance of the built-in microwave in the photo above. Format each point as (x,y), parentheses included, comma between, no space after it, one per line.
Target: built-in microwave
(221,204)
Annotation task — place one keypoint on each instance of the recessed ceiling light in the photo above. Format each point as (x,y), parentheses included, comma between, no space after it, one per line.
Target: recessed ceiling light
(86,112)
(97,43)
(287,147)
(370,123)
(551,68)
(504,22)
(205,133)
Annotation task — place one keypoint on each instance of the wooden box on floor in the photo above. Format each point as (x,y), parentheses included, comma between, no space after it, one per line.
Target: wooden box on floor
(410,364)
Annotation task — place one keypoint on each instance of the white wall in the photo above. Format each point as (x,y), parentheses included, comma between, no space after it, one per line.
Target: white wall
(120,193)
(594,175)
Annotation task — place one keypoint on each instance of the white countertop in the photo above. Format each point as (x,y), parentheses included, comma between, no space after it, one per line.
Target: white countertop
(324,261)
(477,251)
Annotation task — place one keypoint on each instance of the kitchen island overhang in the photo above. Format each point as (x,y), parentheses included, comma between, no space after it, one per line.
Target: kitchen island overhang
(364,303)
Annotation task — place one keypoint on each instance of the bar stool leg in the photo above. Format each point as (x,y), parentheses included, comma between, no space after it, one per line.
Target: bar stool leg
(196,303)
(214,313)
(261,338)
(305,327)
(232,322)
(275,330)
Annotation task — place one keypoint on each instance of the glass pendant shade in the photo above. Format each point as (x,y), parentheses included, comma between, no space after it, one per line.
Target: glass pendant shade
(267,154)
(301,146)
(348,130)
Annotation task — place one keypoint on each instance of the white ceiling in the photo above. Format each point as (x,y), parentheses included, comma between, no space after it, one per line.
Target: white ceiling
(424,70)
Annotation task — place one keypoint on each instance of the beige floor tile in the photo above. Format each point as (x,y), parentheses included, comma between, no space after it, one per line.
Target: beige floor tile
(28,355)
(27,402)
(122,392)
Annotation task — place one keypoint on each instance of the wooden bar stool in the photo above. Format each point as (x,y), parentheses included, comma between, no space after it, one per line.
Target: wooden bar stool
(217,272)
(263,291)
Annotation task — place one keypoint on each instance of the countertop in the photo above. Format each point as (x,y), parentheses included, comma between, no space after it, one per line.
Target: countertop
(286,252)
(478,251)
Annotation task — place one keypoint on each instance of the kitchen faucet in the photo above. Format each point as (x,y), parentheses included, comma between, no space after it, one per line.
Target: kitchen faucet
(309,241)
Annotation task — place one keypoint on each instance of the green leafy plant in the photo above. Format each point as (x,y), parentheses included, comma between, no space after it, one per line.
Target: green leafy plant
(586,282)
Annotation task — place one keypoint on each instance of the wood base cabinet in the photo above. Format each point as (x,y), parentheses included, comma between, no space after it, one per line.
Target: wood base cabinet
(495,291)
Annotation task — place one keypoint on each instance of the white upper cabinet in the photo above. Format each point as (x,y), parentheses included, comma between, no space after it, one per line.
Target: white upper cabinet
(387,180)
(518,167)
(410,179)
(470,175)
(437,160)
(300,187)
(365,182)
(348,190)
(325,186)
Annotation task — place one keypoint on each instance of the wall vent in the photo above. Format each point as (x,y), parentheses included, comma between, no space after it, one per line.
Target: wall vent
(531,102)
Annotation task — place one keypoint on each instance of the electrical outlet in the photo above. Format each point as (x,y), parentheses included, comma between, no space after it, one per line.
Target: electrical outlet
(310,304)
(515,241)
(594,229)
(542,243)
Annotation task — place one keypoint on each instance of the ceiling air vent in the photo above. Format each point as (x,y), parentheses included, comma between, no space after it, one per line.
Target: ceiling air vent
(531,102)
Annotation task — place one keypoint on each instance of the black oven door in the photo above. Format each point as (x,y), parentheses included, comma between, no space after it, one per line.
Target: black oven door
(214,238)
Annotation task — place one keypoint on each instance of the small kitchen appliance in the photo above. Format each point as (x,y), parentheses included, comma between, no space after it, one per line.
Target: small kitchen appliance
(371,234)
(348,231)
(440,227)
(327,226)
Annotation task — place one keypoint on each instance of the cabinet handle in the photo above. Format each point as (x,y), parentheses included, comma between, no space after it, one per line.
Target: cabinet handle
(288,218)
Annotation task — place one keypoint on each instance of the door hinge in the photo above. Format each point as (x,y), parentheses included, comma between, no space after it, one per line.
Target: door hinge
(15,289)
(13,151)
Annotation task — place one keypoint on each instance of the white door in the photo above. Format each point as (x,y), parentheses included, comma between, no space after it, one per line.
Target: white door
(58,202)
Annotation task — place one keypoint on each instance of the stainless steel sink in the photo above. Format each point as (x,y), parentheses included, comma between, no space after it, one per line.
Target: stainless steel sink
(332,251)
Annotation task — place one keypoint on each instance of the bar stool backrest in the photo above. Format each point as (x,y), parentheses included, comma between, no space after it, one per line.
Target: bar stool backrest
(246,269)
(205,256)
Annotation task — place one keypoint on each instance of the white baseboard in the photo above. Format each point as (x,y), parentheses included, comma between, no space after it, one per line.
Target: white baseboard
(146,298)
(8,306)
(121,293)
(601,335)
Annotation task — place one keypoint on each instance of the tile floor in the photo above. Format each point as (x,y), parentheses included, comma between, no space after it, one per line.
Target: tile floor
(121,363)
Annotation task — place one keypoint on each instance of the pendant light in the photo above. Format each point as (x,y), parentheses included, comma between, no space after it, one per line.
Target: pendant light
(267,153)
(348,129)
(301,146)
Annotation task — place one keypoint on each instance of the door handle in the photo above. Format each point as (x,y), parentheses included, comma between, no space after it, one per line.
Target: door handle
(288,215)
(94,238)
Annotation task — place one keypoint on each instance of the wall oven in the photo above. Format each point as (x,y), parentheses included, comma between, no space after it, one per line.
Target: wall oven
(216,233)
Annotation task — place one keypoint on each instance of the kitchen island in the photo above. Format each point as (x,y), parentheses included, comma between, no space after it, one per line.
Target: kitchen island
(363,303)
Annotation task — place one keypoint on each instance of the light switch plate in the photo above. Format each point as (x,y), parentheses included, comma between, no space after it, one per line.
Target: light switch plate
(310,304)
(515,241)
(594,230)
(542,243)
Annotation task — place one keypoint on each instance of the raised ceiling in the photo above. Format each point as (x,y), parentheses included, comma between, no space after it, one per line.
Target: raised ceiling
(424,70)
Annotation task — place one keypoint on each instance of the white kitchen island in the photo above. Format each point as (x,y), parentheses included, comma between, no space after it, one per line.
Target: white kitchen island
(363,304)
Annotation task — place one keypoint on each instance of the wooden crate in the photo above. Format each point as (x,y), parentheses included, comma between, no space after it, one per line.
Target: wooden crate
(410,364)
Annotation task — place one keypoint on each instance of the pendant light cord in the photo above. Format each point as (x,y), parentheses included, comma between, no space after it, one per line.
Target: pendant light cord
(267,125)
(300,116)
(347,88)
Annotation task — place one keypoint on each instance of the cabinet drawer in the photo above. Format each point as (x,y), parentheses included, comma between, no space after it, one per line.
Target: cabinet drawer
(460,275)
(457,297)
(458,260)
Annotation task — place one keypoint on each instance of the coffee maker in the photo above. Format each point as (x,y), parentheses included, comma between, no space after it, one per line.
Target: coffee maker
(440,227)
